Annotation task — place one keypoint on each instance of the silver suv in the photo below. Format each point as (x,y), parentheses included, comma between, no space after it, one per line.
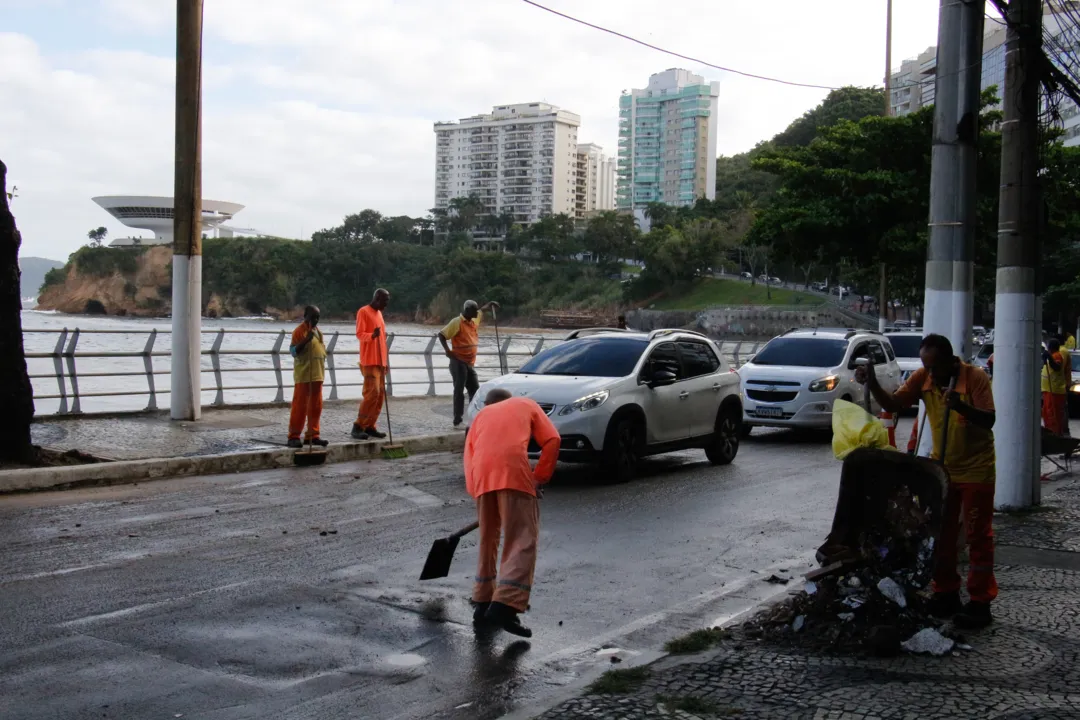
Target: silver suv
(793,381)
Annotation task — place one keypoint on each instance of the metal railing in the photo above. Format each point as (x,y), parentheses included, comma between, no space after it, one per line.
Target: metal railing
(427,375)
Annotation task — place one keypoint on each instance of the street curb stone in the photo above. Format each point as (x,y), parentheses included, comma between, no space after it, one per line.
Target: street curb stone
(129,471)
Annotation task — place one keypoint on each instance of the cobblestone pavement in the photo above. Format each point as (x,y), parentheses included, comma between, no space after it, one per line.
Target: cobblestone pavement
(1026,665)
(225,430)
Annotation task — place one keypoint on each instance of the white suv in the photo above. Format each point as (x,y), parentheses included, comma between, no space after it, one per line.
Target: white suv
(905,344)
(793,381)
(616,396)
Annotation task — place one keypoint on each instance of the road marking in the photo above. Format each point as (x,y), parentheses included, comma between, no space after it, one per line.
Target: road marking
(124,612)
(417,497)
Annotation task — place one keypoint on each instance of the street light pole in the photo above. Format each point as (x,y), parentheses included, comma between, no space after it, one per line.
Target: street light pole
(883,307)
(1017,311)
(186,396)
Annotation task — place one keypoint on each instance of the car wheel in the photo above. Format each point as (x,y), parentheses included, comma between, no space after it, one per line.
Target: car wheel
(621,450)
(725,442)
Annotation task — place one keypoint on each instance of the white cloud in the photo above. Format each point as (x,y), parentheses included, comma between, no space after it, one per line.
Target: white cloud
(317,109)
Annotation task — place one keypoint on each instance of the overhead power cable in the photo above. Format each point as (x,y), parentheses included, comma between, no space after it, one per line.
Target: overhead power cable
(675,54)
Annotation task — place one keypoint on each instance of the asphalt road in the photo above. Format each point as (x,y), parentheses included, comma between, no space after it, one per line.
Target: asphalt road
(293,593)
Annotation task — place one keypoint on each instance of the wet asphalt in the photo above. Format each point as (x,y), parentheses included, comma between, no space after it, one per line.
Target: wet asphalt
(294,593)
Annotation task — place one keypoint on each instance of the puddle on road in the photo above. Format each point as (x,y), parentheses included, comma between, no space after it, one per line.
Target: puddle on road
(405,660)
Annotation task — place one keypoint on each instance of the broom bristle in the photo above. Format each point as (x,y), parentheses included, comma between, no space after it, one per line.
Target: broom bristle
(394,452)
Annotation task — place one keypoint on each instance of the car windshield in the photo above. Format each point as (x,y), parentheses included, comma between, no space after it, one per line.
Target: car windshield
(906,346)
(597,356)
(986,350)
(803,352)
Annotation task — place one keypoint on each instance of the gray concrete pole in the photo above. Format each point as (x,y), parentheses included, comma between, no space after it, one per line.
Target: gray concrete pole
(883,304)
(1017,339)
(186,396)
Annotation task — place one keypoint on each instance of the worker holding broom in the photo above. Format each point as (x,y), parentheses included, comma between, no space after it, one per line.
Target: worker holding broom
(499,476)
(1054,389)
(460,340)
(949,386)
(374,359)
(309,361)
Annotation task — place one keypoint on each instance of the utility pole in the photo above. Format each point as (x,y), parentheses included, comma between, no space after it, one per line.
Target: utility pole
(1017,339)
(950,251)
(883,306)
(186,386)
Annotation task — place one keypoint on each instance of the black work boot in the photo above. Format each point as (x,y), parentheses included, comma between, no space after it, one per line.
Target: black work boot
(479,611)
(973,616)
(295,443)
(944,605)
(319,442)
(372,432)
(503,616)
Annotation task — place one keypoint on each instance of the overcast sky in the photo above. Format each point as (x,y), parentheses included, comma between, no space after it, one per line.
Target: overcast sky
(316,109)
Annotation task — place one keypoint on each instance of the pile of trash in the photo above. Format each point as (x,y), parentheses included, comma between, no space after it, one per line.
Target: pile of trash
(874,604)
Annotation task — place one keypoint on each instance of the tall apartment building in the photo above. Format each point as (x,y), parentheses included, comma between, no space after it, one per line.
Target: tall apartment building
(912,86)
(667,141)
(595,181)
(518,159)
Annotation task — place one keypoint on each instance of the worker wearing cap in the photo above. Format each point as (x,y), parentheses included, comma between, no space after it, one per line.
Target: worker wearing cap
(970,463)
(309,362)
(499,476)
(460,340)
(1054,388)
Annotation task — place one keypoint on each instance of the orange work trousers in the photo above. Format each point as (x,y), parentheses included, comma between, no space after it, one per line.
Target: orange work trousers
(371,405)
(974,502)
(306,405)
(516,516)
(1054,414)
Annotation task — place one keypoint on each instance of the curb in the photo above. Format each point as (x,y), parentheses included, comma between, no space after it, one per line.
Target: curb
(660,659)
(128,471)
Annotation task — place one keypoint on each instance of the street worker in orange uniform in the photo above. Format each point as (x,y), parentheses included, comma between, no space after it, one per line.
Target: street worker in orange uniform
(374,359)
(499,476)
(1054,387)
(970,463)
(1066,355)
(463,334)
(309,361)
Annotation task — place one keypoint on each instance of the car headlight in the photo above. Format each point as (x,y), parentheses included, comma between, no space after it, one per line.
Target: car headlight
(589,402)
(825,384)
(1075,388)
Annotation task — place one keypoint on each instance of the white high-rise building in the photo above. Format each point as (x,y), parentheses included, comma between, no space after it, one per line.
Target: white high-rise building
(519,160)
(667,141)
(912,86)
(595,181)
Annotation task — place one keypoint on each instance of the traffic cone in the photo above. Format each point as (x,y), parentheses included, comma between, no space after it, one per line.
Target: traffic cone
(888,419)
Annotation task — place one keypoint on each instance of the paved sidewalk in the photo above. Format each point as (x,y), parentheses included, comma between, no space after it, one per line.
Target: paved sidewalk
(225,430)
(1026,665)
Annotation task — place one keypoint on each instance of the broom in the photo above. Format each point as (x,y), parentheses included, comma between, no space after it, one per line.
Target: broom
(390,451)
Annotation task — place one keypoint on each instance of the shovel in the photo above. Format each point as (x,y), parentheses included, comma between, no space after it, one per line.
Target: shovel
(441,554)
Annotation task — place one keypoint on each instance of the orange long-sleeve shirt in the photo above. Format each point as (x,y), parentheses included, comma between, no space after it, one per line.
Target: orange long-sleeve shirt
(372,350)
(497,449)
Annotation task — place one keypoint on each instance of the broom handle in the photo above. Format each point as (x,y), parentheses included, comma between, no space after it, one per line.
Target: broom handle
(386,398)
(945,425)
(498,342)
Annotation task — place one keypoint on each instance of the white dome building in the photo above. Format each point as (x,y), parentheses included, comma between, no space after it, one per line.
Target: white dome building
(153,213)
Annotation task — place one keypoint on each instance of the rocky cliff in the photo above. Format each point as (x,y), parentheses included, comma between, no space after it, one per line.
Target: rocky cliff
(143,292)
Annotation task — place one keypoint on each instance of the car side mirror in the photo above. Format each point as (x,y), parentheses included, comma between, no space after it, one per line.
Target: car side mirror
(660,378)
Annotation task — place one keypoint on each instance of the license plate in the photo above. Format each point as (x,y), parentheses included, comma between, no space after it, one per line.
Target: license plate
(772,412)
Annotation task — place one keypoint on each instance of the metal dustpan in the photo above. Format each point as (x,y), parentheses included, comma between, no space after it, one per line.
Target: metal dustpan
(441,554)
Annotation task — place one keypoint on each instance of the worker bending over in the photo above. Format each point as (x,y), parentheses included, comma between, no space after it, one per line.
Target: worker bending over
(970,464)
(499,476)
(309,363)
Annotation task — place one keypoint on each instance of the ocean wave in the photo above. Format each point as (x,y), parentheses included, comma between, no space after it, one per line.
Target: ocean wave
(43,312)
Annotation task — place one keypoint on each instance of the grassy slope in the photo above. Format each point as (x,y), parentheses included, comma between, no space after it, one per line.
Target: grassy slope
(710,292)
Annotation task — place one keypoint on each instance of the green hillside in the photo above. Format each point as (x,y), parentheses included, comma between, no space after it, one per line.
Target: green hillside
(710,292)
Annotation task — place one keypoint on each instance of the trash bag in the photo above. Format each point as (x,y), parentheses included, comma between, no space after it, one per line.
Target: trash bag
(855,428)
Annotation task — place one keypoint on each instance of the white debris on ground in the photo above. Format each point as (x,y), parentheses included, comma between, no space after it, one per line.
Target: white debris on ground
(928,640)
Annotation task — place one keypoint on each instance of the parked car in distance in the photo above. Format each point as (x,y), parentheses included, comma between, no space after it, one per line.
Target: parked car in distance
(906,344)
(617,396)
(794,379)
(775,281)
(819,286)
(982,356)
(746,276)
